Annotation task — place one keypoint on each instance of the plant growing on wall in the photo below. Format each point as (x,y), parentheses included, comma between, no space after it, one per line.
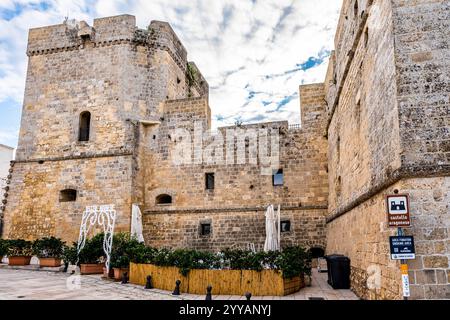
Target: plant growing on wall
(191,77)
(49,247)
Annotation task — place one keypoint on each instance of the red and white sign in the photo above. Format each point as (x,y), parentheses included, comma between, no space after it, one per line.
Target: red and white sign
(398,210)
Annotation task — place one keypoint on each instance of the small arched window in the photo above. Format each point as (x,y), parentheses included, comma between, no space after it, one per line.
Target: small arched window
(68,195)
(163,199)
(317,252)
(85,126)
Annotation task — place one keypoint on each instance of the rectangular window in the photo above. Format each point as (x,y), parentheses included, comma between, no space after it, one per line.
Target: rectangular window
(209,181)
(277,178)
(205,229)
(285,226)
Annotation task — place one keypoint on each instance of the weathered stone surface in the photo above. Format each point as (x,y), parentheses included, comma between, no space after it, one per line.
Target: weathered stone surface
(389,119)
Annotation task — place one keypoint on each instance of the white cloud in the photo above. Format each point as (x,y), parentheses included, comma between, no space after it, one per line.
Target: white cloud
(254,39)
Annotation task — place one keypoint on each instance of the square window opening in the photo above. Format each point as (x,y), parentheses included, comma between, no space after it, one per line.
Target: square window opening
(278,178)
(285,226)
(205,229)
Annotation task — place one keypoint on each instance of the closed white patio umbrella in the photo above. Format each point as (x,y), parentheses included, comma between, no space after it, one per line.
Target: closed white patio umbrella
(136,223)
(272,229)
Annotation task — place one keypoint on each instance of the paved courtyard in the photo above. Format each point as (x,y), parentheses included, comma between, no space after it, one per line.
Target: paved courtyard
(45,285)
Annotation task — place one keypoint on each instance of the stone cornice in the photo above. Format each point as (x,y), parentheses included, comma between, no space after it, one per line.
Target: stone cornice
(76,157)
(405,172)
(165,210)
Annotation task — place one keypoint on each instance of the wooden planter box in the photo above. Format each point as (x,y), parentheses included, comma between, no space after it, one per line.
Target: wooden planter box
(94,268)
(19,261)
(223,282)
(118,273)
(50,262)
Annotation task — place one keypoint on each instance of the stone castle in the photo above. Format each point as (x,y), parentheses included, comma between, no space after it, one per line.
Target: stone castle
(101,105)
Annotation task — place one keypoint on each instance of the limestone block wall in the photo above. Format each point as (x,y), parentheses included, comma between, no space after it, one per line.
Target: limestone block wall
(423,66)
(388,131)
(120,74)
(241,191)
(34,209)
(363,129)
(366,242)
(181,228)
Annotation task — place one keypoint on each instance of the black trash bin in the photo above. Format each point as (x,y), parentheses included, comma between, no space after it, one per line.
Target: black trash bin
(338,271)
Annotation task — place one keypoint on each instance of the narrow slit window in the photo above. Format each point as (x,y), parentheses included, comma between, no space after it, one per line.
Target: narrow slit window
(209,181)
(85,126)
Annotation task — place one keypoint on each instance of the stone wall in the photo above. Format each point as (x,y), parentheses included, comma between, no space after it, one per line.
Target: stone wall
(241,190)
(181,228)
(122,75)
(366,242)
(363,130)
(422,62)
(388,122)
(34,208)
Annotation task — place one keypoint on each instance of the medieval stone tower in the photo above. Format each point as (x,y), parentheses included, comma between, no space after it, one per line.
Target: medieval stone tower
(88,91)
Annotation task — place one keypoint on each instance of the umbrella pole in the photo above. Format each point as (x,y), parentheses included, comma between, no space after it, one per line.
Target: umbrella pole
(279,228)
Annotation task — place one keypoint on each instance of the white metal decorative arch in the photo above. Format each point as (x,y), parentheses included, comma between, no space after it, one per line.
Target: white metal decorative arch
(104,216)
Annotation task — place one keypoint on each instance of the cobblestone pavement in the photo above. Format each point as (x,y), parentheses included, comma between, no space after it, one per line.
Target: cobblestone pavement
(45,285)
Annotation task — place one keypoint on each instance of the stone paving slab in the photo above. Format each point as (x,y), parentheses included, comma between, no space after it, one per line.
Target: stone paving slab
(17,284)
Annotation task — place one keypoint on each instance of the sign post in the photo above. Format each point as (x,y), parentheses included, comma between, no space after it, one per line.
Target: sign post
(398,211)
(405,280)
(402,247)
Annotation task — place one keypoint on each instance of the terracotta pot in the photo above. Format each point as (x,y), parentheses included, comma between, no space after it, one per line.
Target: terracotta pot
(19,261)
(118,273)
(108,275)
(50,262)
(92,268)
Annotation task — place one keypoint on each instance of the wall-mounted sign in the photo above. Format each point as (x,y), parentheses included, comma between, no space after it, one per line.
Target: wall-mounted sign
(402,248)
(398,211)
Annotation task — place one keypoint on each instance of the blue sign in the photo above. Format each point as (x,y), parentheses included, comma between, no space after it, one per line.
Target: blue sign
(402,248)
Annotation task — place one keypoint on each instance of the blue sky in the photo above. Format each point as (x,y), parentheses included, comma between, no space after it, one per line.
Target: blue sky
(254,53)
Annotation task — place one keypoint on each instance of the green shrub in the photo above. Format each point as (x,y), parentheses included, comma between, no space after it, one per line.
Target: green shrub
(93,250)
(70,254)
(3,248)
(294,261)
(50,247)
(124,249)
(19,248)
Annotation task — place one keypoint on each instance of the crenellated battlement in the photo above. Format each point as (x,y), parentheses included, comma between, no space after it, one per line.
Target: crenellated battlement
(73,35)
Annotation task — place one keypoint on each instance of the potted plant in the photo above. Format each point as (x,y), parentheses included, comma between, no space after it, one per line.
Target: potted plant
(49,251)
(19,252)
(92,256)
(70,255)
(121,253)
